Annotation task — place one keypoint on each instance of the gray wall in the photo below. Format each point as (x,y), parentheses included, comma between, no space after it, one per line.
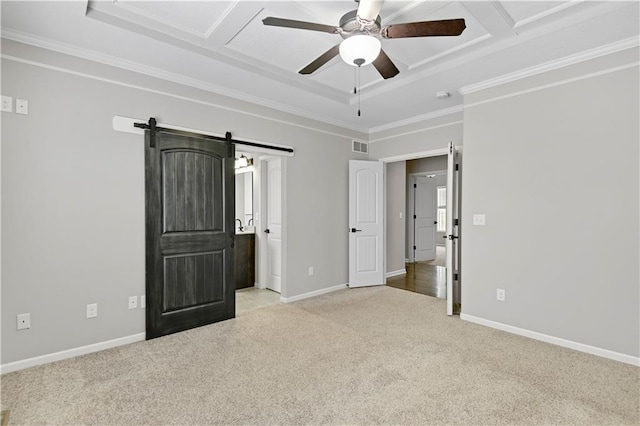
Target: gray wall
(556,155)
(572,146)
(426,165)
(396,204)
(73,195)
(417,140)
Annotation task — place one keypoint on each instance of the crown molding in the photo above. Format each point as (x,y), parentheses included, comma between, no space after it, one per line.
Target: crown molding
(554,84)
(597,52)
(420,130)
(113,61)
(417,119)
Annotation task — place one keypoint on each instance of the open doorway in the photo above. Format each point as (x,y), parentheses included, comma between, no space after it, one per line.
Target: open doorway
(258,259)
(425,185)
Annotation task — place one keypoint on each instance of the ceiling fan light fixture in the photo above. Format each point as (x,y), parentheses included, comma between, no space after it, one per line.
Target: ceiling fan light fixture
(360,50)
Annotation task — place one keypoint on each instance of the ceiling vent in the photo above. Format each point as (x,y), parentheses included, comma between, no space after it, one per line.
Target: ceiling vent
(361,147)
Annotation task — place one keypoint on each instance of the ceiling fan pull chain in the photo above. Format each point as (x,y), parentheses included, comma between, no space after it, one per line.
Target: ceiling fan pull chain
(358,71)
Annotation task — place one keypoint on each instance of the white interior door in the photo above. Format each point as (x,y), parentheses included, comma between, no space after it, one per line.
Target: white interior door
(452,229)
(424,232)
(366,226)
(273,231)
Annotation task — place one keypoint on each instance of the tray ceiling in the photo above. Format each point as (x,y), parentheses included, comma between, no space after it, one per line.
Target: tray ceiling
(223,46)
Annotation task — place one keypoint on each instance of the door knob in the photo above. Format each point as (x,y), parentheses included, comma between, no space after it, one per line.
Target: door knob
(266,231)
(356,230)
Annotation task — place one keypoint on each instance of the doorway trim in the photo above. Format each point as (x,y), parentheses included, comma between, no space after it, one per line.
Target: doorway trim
(406,157)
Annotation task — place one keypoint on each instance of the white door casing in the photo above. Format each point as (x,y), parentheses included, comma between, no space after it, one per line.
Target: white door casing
(273,230)
(451,235)
(366,224)
(424,218)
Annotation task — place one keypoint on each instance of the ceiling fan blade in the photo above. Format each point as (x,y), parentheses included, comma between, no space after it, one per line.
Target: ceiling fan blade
(446,27)
(385,67)
(321,60)
(369,9)
(302,25)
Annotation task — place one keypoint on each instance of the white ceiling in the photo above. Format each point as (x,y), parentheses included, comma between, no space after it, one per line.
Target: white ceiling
(223,47)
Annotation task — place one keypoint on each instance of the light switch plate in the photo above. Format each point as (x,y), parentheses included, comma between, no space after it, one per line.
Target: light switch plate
(478,219)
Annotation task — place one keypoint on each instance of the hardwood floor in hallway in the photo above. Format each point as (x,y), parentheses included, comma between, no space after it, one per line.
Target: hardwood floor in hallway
(423,278)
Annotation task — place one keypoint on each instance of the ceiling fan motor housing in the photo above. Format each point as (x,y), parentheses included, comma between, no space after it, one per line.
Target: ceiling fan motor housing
(350,25)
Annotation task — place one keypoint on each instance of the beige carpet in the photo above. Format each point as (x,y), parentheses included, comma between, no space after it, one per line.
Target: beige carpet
(360,356)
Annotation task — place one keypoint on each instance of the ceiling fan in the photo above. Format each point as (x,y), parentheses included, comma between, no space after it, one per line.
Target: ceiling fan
(361,31)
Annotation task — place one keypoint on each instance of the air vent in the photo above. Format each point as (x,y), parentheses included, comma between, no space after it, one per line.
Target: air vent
(361,147)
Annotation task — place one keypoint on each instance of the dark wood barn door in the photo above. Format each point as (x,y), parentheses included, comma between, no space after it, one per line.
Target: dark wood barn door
(189,232)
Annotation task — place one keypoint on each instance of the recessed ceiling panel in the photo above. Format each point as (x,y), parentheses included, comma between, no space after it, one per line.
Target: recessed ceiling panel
(420,50)
(290,49)
(194,17)
(327,12)
(522,11)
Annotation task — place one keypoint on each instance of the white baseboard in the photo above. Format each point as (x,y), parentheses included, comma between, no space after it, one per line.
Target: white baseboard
(70,353)
(593,350)
(396,273)
(312,293)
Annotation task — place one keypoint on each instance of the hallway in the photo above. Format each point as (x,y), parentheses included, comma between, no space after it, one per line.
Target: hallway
(423,278)
(429,277)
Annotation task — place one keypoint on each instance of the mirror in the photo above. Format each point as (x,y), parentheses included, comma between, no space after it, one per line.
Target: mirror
(244,201)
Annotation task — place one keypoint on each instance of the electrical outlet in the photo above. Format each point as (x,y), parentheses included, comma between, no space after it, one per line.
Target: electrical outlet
(133,302)
(22,106)
(92,310)
(143,301)
(7,102)
(23,321)
(500,294)
(310,270)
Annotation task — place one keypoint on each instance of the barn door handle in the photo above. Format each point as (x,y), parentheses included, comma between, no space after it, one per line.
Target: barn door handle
(356,230)
(266,231)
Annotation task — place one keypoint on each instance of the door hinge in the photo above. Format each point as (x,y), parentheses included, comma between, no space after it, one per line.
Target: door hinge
(457,166)
(415,185)
(455,276)
(414,247)
(415,217)
(456,222)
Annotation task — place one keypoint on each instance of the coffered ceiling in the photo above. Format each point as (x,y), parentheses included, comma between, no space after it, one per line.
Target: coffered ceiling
(223,47)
